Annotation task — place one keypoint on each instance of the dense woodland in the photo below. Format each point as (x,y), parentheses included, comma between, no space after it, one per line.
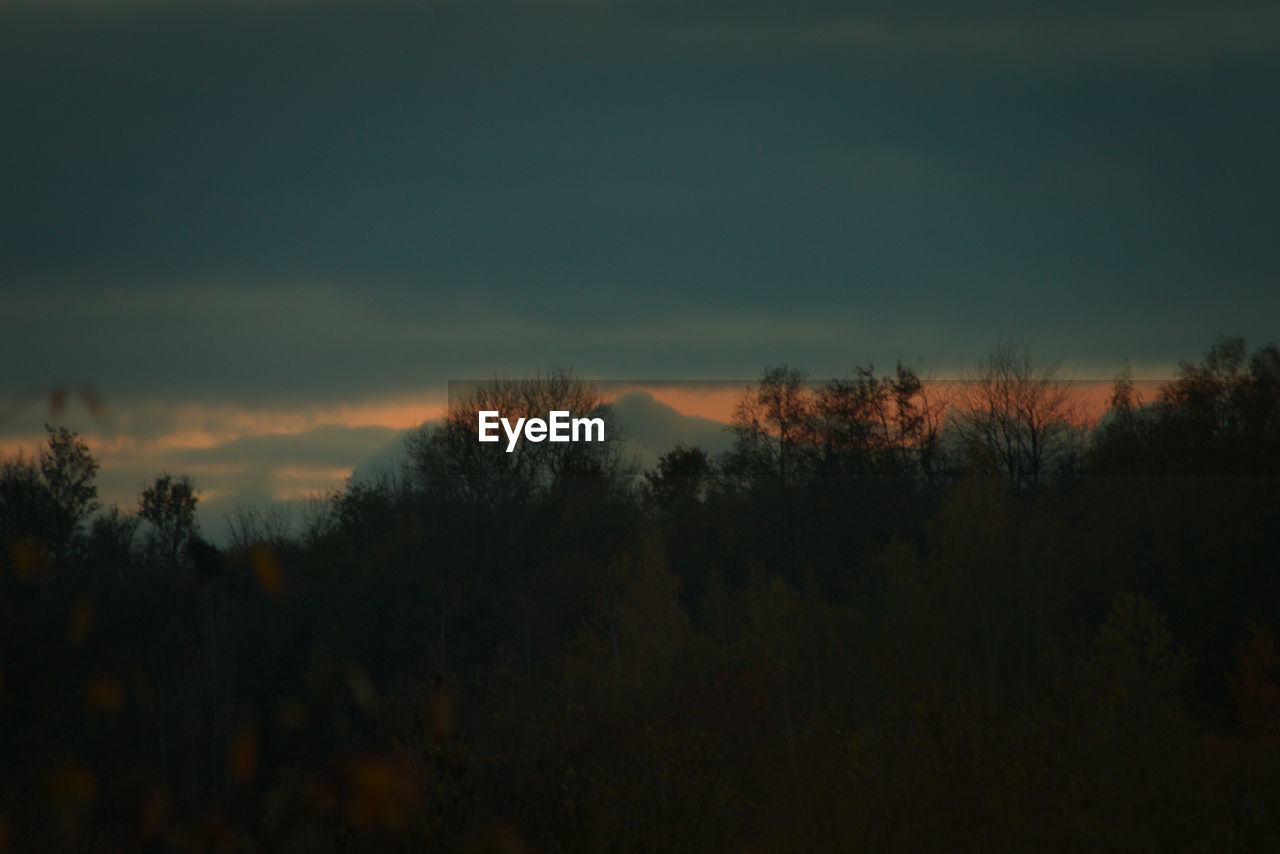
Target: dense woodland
(897,615)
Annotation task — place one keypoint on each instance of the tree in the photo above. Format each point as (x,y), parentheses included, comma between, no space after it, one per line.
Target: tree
(1017,418)
(1223,412)
(111,538)
(683,476)
(773,429)
(169,505)
(269,526)
(1220,415)
(44,504)
(27,517)
(1136,664)
(1255,686)
(69,471)
(1116,445)
(449,461)
(877,425)
(773,445)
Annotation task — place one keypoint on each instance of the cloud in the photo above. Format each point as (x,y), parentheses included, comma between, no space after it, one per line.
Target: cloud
(451,194)
(652,428)
(389,460)
(1045,35)
(1036,34)
(327,446)
(235,457)
(303,218)
(204,365)
(261,470)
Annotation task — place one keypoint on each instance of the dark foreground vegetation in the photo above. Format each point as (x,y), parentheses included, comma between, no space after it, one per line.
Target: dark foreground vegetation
(896,616)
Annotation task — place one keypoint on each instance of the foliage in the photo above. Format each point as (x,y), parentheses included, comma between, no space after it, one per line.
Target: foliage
(1015,417)
(853,631)
(169,505)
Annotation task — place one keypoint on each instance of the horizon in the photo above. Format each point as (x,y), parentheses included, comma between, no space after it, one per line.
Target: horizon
(245,459)
(259,218)
(805,588)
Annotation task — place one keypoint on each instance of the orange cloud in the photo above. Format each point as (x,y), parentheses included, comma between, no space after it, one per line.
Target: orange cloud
(713,400)
(133,446)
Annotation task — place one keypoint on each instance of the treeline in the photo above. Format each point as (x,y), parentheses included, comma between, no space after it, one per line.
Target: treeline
(895,616)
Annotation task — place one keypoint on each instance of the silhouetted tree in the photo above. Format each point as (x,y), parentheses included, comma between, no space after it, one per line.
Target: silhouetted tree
(886,425)
(28,517)
(910,662)
(169,504)
(449,462)
(773,430)
(683,476)
(1220,415)
(1015,417)
(69,470)
(1228,406)
(112,537)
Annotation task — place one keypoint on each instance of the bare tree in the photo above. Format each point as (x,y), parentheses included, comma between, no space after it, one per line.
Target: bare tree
(1017,417)
(271,525)
(449,460)
(773,428)
(316,517)
(878,425)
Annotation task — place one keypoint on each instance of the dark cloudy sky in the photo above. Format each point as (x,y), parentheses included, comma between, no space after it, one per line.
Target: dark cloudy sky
(244,221)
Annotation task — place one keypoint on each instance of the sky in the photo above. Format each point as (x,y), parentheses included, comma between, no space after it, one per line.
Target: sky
(268,232)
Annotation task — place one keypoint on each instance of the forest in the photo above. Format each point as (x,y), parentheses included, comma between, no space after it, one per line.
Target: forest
(897,615)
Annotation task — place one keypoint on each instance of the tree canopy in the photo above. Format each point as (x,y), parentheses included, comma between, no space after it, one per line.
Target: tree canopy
(895,615)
